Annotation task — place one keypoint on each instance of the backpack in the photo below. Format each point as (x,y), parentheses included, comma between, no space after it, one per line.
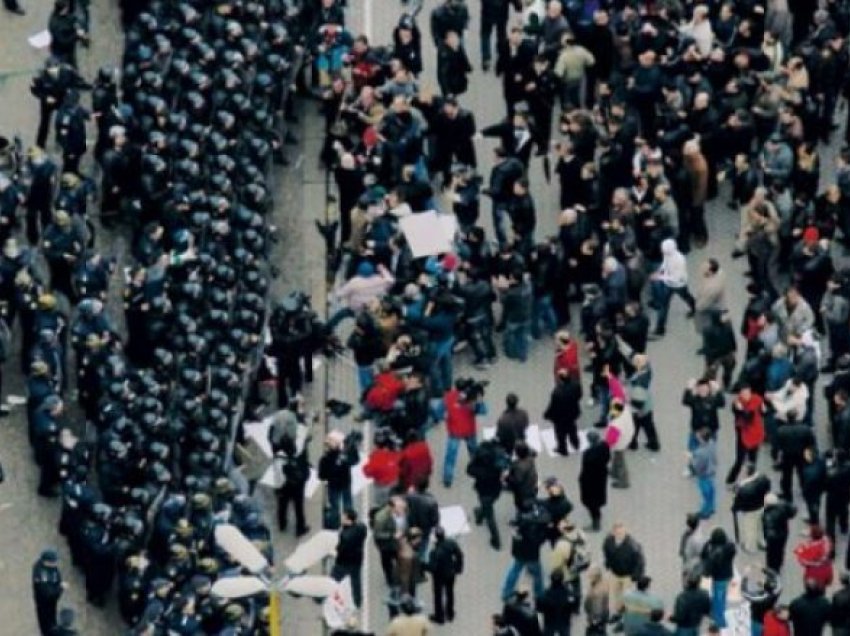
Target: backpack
(579,559)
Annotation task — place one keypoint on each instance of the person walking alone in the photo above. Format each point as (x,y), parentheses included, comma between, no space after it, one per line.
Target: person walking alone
(445,563)
(704,468)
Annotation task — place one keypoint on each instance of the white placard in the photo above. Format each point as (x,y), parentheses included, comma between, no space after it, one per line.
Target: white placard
(454,522)
(40,40)
(532,438)
(547,436)
(428,233)
(359,480)
(312,484)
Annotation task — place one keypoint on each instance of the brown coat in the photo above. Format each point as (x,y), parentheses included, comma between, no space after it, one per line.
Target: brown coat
(697,168)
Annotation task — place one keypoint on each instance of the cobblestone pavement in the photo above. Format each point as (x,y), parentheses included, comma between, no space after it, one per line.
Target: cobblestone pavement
(654,506)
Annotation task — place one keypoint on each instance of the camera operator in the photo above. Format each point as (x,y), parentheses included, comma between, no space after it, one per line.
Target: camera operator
(383,465)
(462,403)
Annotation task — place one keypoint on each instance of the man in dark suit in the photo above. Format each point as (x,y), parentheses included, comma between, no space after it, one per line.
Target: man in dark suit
(513,66)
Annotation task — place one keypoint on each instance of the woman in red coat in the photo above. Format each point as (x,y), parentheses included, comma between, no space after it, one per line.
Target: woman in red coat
(749,430)
(813,554)
(416,461)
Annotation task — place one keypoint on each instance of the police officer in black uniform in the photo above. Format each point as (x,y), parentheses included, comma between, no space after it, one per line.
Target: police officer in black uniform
(47,587)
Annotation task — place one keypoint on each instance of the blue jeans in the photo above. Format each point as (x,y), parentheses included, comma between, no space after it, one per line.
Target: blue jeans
(718,602)
(662,295)
(516,340)
(543,316)
(514,572)
(450,459)
(756,629)
(338,316)
(339,499)
(365,377)
(441,366)
(500,216)
(706,489)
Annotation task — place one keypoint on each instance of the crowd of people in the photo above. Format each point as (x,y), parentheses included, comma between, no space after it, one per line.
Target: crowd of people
(641,113)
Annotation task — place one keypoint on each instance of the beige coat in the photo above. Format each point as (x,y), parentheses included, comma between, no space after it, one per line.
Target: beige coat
(710,297)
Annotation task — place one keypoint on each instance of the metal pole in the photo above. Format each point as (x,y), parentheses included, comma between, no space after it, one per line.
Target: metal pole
(275,617)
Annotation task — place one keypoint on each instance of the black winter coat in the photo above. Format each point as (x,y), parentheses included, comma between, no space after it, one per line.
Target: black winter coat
(593,478)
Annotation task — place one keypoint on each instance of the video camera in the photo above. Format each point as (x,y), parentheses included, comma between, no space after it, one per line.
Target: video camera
(471,389)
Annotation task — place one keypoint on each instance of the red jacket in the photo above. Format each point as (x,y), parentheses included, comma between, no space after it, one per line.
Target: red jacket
(416,463)
(460,417)
(567,359)
(775,627)
(385,390)
(384,466)
(751,429)
(813,555)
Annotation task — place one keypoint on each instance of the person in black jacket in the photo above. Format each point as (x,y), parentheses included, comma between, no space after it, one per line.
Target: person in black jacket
(486,468)
(523,217)
(593,478)
(453,128)
(445,563)
(407,44)
(529,535)
(775,518)
(837,492)
(557,605)
(340,455)
(513,65)
(65,31)
(520,616)
(747,506)
(705,398)
(494,17)
(718,557)
(810,611)
(478,296)
(349,553)
(718,346)
(792,439)
(692,605)
(563,411)
(507,169)
(558,506)
(839,618)
(452,15)
(453,66)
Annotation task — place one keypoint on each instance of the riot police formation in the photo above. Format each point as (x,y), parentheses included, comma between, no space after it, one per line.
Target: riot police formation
(133,429)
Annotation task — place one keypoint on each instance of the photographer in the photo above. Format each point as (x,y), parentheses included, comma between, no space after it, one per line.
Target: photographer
(462,404)
(383,466)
